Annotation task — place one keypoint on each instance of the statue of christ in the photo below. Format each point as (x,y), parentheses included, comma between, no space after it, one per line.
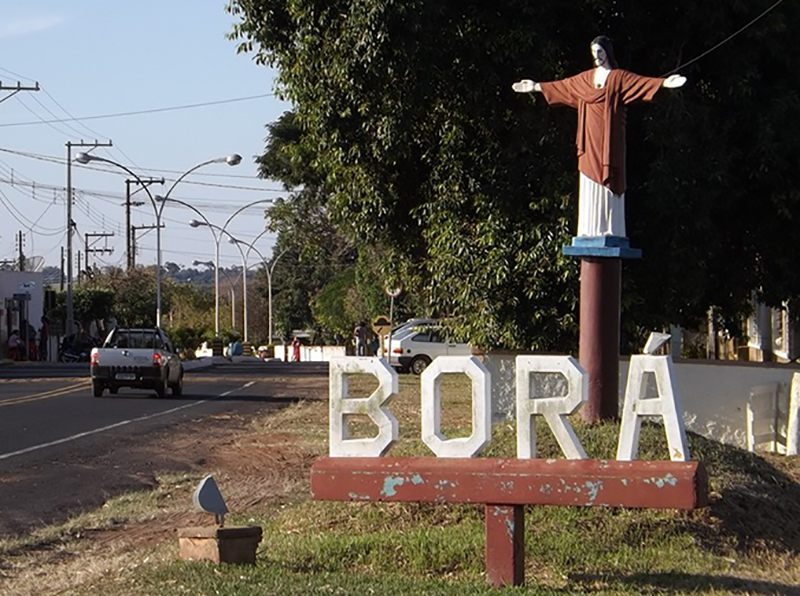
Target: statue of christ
(601,95)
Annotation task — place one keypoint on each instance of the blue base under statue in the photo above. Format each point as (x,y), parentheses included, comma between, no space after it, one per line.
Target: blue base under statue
(615,247)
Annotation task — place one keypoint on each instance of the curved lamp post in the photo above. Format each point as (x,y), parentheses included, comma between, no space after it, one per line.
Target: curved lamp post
(210,265)
(269,271)
(238,242)
(217,237)
(232,160)
(85,158)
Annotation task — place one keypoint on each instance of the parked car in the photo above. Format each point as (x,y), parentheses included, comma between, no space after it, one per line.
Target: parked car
(140,358)
(411,323)
(414,348)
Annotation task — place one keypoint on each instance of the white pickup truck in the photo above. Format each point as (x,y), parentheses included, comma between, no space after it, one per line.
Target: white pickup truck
(140,358)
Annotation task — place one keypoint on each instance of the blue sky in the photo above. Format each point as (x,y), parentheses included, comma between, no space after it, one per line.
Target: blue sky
(95,58)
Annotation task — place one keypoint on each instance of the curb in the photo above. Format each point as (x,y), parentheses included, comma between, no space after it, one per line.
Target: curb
(199,363)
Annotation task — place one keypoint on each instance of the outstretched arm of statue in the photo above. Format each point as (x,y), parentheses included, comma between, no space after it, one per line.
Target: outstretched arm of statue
(673,81)
(526,86)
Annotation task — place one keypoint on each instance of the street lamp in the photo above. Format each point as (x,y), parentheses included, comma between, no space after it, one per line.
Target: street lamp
(232,160)
(217,237)
(236,242)
(232,284)
(269,271)
(85,158)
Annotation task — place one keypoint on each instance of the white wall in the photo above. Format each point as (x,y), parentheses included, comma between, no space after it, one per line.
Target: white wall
(714,393)
(311,353)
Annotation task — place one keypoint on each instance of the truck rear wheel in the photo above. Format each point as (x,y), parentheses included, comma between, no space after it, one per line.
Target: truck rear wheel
(97,389)
(177,388)
(161,388)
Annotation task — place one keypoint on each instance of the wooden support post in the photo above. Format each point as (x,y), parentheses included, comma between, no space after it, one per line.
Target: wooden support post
(505,545)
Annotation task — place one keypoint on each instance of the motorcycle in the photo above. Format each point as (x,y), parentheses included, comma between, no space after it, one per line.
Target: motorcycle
(74,349)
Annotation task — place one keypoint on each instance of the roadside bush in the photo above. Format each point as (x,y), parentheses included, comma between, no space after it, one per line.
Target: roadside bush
(186,339)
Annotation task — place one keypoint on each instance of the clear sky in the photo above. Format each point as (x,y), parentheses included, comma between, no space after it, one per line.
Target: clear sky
(106,57)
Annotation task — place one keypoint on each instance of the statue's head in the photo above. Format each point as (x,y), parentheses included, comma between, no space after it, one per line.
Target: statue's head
(603,52)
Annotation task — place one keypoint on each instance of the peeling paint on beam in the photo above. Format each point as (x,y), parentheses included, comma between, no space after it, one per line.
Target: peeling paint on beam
(586,483)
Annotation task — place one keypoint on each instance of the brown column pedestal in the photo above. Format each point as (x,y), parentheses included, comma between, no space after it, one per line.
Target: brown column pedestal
(600,335)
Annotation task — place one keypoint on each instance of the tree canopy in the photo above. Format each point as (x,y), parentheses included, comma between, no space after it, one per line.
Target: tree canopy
(421,147)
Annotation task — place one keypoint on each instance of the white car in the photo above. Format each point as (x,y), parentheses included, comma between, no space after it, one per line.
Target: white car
(415,347)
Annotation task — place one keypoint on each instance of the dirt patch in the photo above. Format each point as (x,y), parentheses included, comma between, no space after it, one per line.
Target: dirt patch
(54,486)
(254,459)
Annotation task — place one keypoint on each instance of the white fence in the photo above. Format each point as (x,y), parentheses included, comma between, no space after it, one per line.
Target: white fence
(310,353)
(715,394)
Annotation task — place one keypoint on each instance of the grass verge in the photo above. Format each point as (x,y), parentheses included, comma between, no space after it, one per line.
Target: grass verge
(746,542)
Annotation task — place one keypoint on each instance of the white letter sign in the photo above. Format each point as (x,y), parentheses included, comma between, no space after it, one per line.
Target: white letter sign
(667,406)
(372,406)
(554,409)
(432,407)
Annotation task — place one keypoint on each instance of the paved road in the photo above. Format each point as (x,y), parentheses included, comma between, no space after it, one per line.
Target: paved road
(55,438)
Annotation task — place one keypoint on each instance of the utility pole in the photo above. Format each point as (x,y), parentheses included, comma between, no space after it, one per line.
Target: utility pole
(128,204)
(71,224)
(20,244)
(133,241)
(89,249)
(62,270)
(79,266)
(15,89)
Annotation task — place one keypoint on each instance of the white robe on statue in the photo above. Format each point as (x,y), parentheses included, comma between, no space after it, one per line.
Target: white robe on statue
(600,211)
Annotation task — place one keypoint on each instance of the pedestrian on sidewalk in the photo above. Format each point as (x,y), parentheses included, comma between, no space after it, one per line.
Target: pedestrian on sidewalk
(44,338)
(360,334)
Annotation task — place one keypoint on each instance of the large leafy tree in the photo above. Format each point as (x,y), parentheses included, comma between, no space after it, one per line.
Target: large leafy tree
(415,134)
(323,280)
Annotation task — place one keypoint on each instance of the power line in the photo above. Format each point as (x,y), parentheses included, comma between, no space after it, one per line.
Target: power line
(109,197)
(140,112)
(91,130)
(724,41)
(108,170)
(17,215)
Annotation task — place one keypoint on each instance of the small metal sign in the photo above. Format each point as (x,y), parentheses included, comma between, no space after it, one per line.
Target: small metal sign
(381,325)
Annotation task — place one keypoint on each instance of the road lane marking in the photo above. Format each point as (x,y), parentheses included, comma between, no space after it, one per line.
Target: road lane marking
(45,394)
(118,424)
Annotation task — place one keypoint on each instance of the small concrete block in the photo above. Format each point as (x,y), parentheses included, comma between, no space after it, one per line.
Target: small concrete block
(221,545)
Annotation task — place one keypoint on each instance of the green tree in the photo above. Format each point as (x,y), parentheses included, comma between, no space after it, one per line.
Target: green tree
(407,110)
(89,304)
(314,252)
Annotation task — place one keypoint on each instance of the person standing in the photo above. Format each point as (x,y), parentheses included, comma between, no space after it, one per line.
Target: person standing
(296,349)
(360,334)
(44,338)
(600,96)
(14,345)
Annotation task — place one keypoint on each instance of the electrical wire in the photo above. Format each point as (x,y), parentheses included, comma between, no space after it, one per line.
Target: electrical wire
(108,169)
(19,217)
(49,123)
(140,112)
(724,41)
(90,130)
(62,161)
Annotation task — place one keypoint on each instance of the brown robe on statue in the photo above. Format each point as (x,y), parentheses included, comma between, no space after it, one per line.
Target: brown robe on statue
(601,119)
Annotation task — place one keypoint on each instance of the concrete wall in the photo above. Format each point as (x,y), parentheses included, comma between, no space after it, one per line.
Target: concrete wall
(714,393)
(311,353)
